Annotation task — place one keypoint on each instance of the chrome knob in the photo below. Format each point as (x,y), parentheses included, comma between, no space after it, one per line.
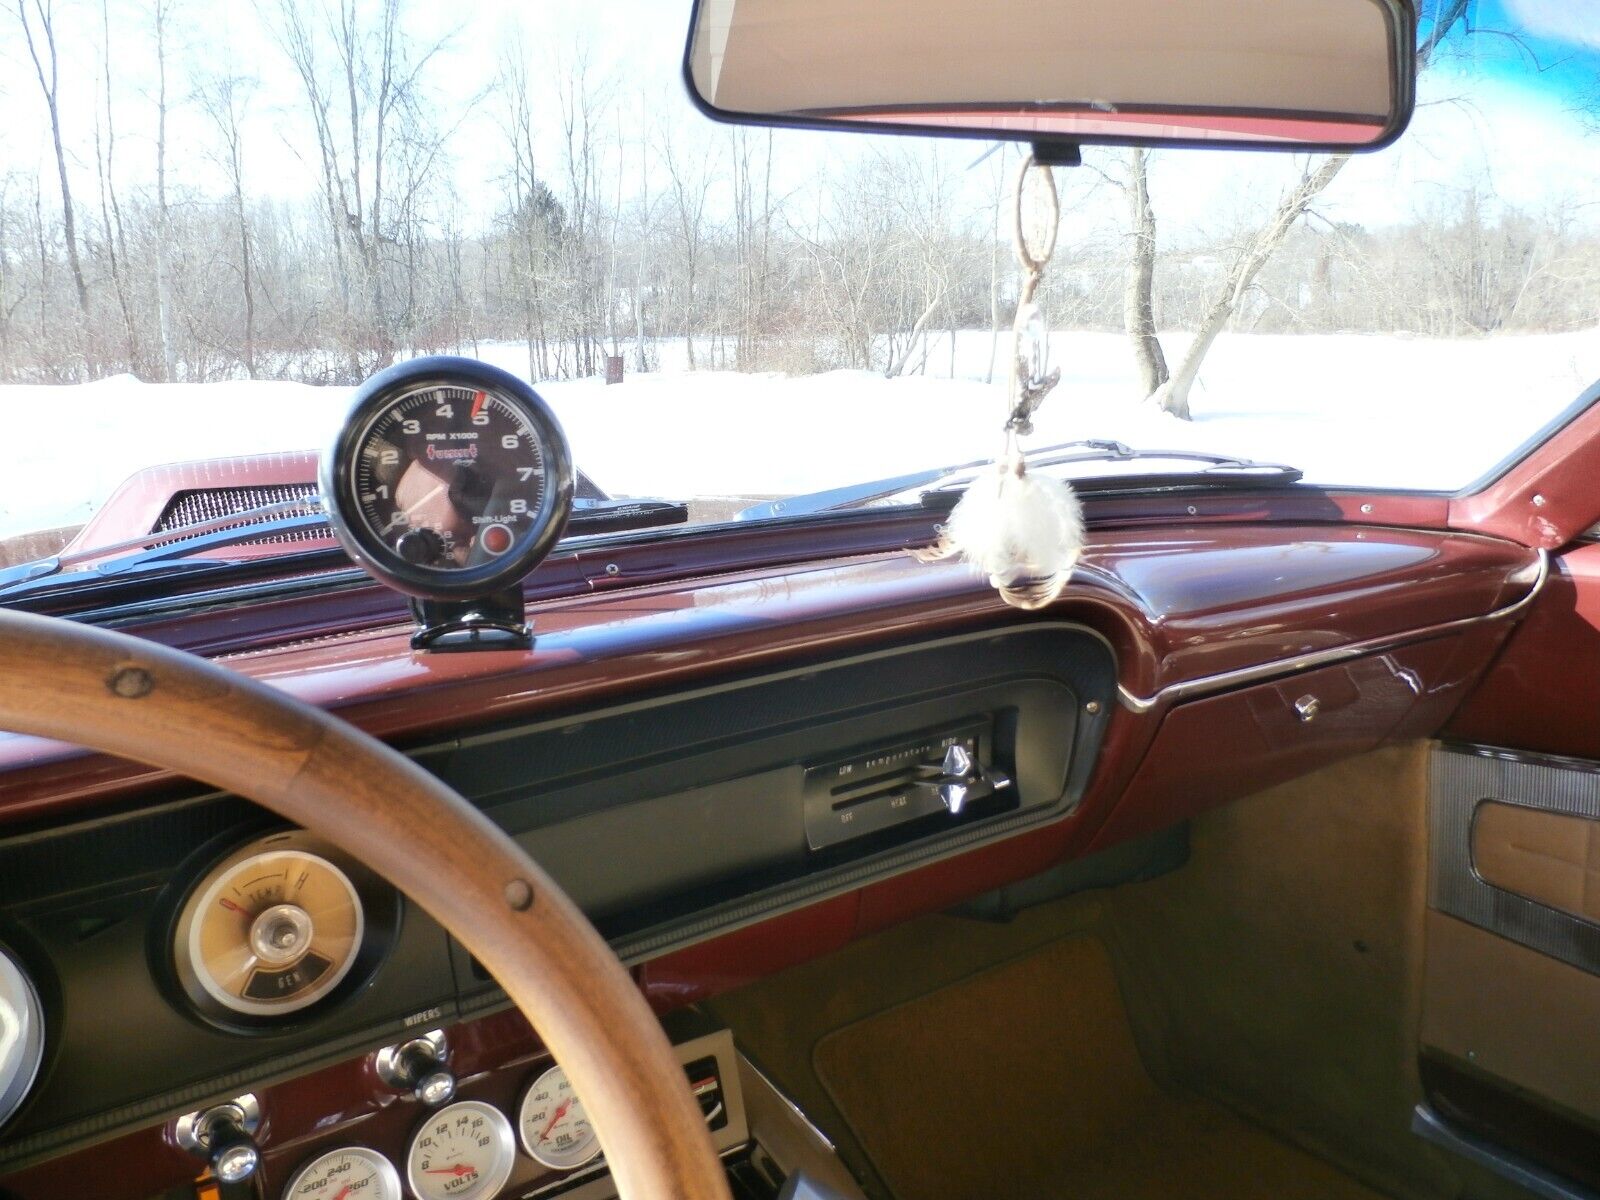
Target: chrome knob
(224,1136)
(236,1162)
(954,795)
(957,762)
(418,1066)
(961,779)
(436,1089)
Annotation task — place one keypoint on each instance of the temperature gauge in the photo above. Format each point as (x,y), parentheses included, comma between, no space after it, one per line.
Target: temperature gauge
(553,1126)
(349,1173)
(465,1151)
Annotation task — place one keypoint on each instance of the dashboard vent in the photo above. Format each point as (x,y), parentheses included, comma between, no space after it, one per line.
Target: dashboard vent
(207,504)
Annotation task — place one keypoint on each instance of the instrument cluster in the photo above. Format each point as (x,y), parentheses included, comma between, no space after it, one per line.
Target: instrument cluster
(466,1150)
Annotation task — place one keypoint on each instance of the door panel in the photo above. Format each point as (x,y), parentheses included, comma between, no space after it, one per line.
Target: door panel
(1511,984)
(1549,858)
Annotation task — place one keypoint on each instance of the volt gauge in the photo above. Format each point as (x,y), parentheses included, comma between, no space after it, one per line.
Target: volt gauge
(464,1151)
(552,1124)
(348,1173)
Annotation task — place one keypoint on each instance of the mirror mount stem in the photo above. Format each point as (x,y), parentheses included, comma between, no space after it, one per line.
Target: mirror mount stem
(1057,154)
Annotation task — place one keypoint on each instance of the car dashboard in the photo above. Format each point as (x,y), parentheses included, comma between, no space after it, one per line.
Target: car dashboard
(730,775)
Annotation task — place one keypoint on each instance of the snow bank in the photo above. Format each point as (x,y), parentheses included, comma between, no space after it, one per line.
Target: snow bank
(1348,409)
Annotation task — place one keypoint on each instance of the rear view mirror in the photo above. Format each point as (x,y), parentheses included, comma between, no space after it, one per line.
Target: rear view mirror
(1285,74)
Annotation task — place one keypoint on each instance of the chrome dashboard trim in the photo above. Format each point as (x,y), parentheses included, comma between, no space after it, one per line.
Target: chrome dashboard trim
(1226,680)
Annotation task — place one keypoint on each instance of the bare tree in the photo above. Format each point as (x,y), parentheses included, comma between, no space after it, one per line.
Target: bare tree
(116,245)
(689,176)
(379,125)
(753,212)
(1173,395)
(532,215)
(1138,306)
(1169,390)
(225,101)
(169,356)
(49,87)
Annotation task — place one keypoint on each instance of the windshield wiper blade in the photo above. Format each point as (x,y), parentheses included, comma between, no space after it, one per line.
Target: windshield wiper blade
(179,550)
(169,549)
(1084,450)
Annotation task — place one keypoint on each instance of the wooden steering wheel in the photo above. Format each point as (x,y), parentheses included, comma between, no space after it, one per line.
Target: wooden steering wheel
(142,701)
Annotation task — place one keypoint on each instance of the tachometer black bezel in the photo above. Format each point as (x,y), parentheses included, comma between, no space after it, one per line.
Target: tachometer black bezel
(380,560)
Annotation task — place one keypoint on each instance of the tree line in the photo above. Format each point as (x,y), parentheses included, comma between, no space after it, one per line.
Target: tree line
(615,228)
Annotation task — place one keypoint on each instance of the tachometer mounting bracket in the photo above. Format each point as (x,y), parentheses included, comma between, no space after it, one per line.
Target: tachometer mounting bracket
(493,622)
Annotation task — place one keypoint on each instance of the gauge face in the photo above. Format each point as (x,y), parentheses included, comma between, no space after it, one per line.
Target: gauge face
(465,1151)
(552,1124)
(270,930)
(21,1035)
(450,478)
(349,1173)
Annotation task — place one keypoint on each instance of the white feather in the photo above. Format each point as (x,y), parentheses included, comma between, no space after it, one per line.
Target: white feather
(1025,532)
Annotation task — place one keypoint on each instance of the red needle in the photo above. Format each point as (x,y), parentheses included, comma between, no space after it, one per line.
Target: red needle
(345,1191)
(458,1170)
(478,399)
(232,907)
(560,1112)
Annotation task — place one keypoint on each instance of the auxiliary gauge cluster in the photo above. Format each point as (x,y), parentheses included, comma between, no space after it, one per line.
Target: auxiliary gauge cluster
(464,1151)
(449,481)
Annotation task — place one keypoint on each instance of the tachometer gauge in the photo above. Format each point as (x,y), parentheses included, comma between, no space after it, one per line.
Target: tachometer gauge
(21,1035)
(552,1124)
(270,930)
(465,1151)
(450,479)
(349,1173)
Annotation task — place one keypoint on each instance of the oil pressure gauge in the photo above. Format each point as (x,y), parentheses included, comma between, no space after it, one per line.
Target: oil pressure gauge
(464,1151)
(552,1124)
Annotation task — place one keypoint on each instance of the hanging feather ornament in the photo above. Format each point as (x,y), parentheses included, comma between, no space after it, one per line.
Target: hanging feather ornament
(1023,531)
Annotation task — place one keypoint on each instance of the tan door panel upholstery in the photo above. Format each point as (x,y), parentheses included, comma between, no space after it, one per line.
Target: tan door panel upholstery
(1514,1013)
(1551,858)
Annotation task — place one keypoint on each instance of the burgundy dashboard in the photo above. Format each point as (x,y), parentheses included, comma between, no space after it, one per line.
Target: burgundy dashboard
(730,775)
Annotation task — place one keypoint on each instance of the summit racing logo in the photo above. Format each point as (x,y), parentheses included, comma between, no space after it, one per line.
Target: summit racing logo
(452,452)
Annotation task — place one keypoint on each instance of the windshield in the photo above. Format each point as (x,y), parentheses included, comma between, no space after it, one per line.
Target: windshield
(202,253)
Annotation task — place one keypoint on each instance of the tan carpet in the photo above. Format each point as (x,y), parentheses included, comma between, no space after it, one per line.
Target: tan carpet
(1024,1081)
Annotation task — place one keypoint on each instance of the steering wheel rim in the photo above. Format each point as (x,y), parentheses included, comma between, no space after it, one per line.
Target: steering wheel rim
(120,695)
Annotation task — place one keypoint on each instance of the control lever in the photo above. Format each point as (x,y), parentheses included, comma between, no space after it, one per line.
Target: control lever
(224,1135)
(962,779)
(418,1066)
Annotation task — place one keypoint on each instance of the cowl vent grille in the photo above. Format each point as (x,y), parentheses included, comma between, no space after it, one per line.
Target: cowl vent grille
(194,505)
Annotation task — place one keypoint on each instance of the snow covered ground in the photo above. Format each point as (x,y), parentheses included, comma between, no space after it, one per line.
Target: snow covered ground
(1347,409)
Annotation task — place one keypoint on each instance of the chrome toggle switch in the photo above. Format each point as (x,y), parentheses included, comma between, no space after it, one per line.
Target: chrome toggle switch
(418,1066)
(224,1135)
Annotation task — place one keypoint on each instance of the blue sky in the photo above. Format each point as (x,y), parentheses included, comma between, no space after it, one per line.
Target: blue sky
(1548,46)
